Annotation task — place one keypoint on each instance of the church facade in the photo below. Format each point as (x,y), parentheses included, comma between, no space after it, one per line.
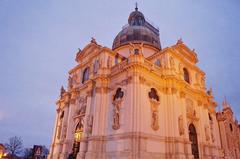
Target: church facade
(139,101)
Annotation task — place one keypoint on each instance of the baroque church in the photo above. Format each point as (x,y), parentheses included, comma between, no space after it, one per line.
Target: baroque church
(138,100)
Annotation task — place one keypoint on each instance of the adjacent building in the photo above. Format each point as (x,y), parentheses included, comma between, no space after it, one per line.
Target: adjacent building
(138,100)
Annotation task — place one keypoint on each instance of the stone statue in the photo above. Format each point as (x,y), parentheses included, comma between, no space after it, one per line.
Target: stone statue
(116,113)
(180,125)
(180,41)
(155,124)
(93,40)
(154,108)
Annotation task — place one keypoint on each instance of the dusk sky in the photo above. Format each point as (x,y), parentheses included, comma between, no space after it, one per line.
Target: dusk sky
(39,41)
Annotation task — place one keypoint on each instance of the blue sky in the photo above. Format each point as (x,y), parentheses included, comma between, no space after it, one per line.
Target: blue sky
(39,40)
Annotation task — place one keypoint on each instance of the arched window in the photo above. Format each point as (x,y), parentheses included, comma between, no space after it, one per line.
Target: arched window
(85,76)
(158,63)
(153,94)
(186,75)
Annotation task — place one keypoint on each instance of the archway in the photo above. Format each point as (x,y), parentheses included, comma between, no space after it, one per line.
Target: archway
(77,137)
(194,140)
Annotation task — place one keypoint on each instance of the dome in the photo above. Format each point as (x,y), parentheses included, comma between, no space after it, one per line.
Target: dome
(138,30)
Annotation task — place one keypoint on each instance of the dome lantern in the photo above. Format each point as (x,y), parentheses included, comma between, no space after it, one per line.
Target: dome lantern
(138,30)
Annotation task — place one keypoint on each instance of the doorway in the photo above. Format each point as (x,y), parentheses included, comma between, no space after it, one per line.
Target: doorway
(194,140)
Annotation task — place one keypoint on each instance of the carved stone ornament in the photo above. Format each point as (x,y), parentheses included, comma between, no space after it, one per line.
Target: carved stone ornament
(154,108)
(116,113)
(180,125)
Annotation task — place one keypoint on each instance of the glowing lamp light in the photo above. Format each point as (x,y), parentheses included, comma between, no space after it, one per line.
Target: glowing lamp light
(78,135)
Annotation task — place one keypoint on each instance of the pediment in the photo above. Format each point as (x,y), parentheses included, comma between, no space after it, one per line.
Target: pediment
(186,52)
(89,50)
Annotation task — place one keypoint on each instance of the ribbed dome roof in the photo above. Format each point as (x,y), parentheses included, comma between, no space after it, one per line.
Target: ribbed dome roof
(138,30)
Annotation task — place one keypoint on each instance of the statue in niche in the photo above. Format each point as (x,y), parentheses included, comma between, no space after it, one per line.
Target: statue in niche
(116,117)
(180,125)
(154,101)
(155,124)
(117,100)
